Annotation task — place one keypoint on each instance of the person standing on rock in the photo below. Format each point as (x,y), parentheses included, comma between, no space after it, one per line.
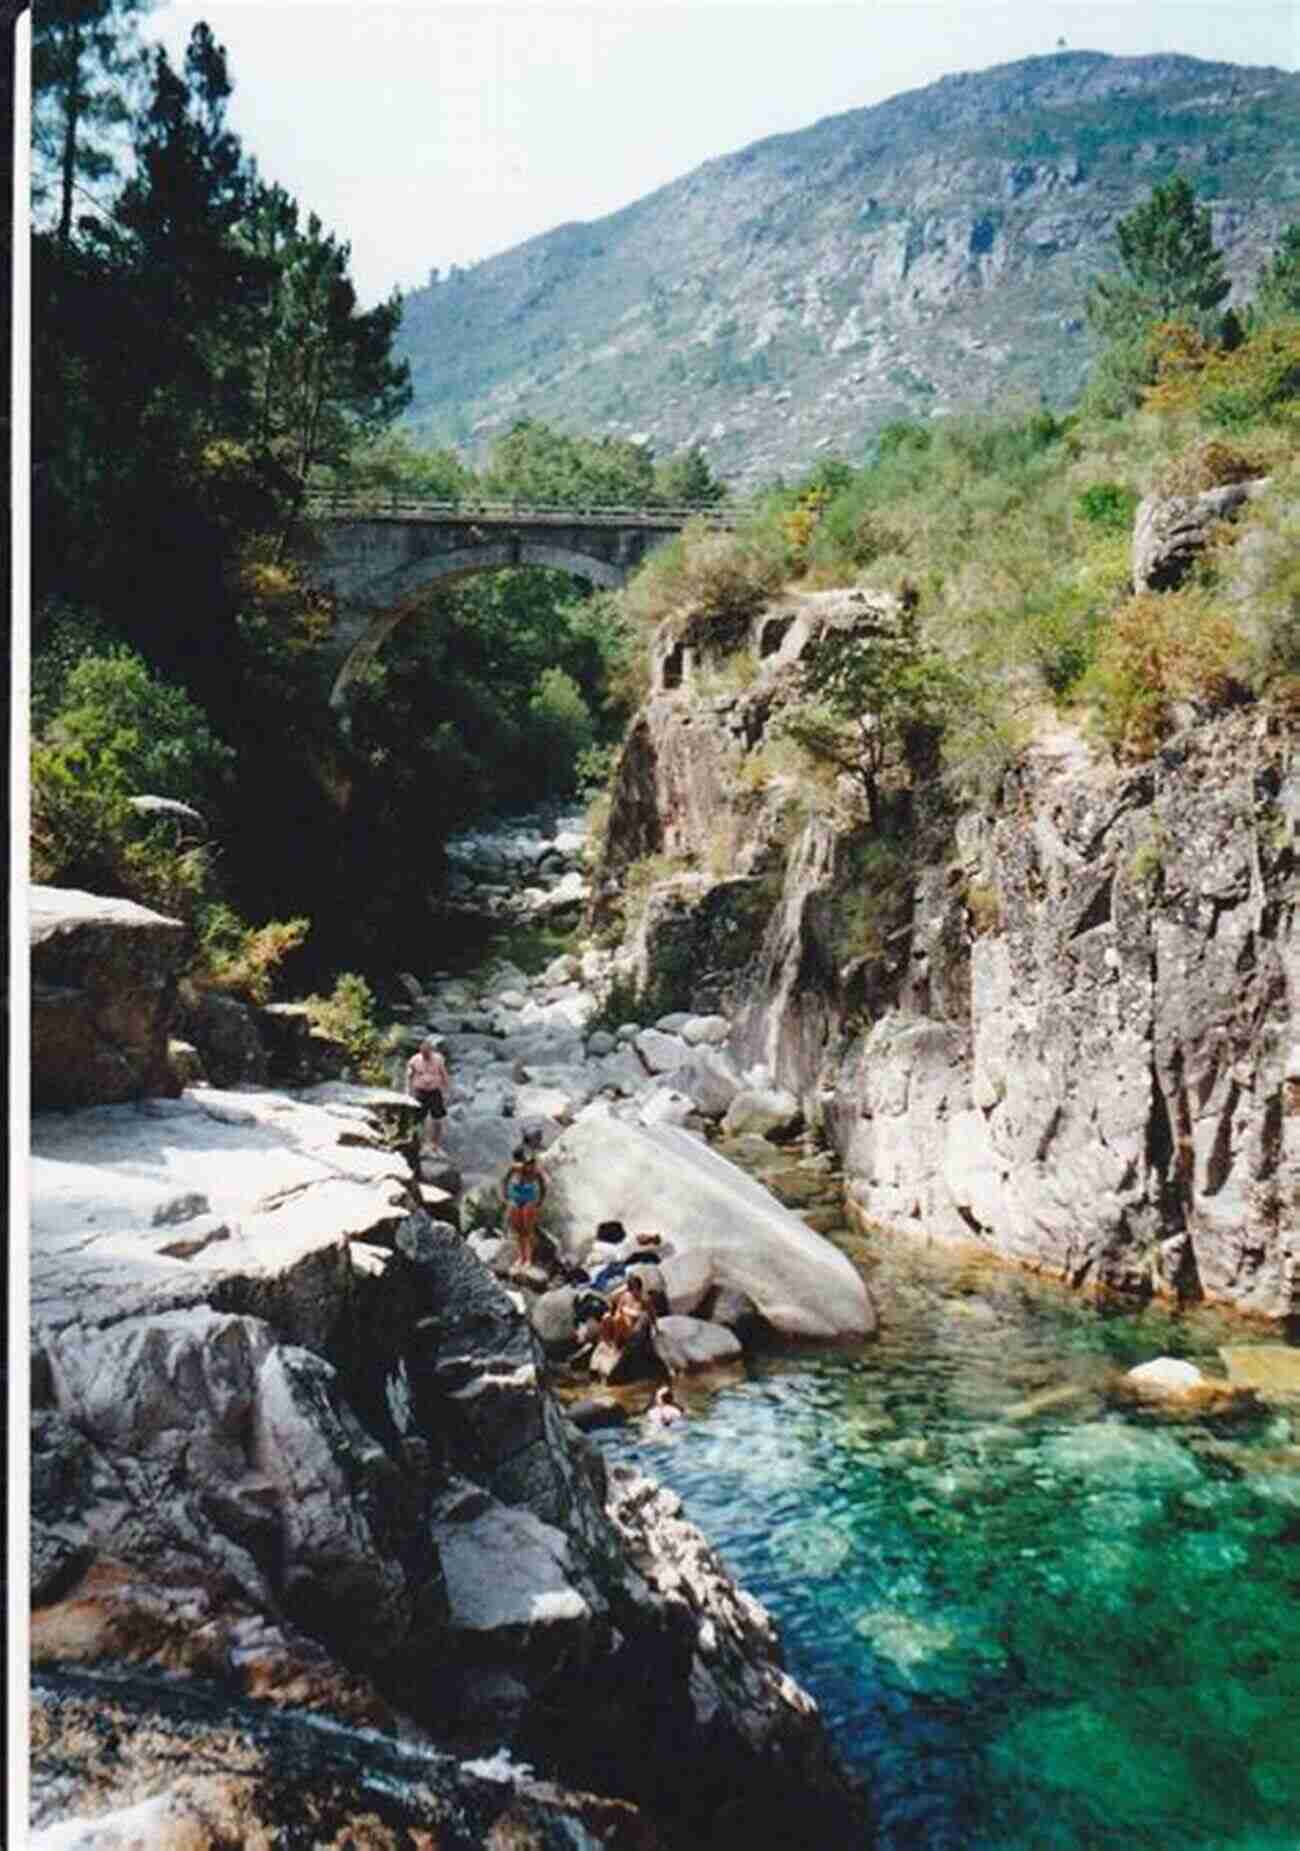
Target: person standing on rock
(524,1190)
(429,1084)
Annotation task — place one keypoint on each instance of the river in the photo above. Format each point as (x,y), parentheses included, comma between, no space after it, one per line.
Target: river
(1036,1617)
(1036,1620)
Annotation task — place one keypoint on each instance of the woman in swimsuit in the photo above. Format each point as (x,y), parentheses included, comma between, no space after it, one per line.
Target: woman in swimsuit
(524,1190)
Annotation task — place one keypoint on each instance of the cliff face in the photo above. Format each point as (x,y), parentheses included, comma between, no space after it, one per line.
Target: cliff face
(1072,1033)
(929,253)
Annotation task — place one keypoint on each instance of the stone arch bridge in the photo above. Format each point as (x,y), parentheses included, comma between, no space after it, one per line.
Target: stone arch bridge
(375,559)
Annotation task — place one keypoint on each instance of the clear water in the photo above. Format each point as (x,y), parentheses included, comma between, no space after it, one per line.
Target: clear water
(1035,1618)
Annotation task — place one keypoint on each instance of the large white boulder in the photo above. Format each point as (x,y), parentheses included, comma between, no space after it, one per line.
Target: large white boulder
(709,1080)
(762,1109)
(659,1177)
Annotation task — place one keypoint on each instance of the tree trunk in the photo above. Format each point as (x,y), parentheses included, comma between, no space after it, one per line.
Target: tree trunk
(71,122)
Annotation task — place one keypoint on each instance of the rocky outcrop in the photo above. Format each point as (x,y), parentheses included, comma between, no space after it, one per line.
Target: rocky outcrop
(290,1443)
(103,990)
(1070,1034)
(1171,532)
(1112,1104)
(130,1765)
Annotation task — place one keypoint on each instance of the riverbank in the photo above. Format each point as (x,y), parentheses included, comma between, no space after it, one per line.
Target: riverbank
(291,1445)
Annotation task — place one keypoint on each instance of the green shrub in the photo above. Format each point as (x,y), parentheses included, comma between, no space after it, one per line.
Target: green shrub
(1209,465)
(1109,506)
(347,1014)
(239,959)
(62,635)
(136,734)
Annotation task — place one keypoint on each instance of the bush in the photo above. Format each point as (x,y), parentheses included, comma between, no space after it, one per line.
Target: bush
(1209,465)
(727,579)
(134,734)
(1109,506)
(1255,383)
(1161,648)
(83,835)
(347,1015)
(62,635)
(240,959)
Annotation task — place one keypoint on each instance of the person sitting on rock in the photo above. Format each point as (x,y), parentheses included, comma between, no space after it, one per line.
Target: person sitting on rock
(524,1191)
(665,1410)
(429,1084)
(630,1315)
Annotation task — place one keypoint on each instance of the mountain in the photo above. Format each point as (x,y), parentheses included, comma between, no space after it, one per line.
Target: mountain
(923,256)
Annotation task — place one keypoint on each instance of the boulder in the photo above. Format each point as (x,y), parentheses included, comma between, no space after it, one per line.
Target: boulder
(664,1105)
(683,1344)
(768,1111)
(697,1030)
(103,994)
(709,1081)
(1170,532)
(661,1177)
(688,1280)
(590,1414)
(1165,1375)
(552,1317)
(734,1310)
(227,1036)
(629,1362)
(660,1052)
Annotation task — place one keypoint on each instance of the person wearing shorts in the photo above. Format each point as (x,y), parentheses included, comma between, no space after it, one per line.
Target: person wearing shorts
(429,1083)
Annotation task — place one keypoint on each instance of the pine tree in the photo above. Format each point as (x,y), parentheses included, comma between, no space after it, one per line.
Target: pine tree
(1277,292)
(1171,268)
(85,60)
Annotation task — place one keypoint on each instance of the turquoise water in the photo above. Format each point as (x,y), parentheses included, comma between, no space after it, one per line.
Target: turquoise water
(1035,1617)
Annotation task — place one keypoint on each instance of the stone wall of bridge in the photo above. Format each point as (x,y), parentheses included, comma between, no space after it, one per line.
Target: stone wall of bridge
(376,568)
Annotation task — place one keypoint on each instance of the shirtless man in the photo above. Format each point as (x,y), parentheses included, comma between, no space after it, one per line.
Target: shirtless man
(429,1084)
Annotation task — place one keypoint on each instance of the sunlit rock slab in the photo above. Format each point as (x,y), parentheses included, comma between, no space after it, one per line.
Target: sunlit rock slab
(660,1178)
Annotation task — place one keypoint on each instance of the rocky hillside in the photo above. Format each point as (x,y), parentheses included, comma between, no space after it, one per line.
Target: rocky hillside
(925,255)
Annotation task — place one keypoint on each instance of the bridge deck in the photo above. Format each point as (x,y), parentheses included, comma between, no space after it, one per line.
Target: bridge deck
(332,505)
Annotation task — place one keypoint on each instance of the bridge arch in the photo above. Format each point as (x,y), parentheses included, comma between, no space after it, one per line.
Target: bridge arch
(400,589)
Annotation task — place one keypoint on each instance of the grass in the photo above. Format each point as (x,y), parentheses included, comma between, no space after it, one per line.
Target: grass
(1014,535)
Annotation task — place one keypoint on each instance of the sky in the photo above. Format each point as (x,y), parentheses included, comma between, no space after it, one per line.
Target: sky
(431,134)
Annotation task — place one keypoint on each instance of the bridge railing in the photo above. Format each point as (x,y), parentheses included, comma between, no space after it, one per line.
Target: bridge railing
(339,504)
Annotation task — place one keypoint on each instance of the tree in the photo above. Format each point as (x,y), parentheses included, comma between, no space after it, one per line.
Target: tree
(686,481)
(85,56)
(533,463)
(1277,291)
(868,700)
(326,381)
(1171,268)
